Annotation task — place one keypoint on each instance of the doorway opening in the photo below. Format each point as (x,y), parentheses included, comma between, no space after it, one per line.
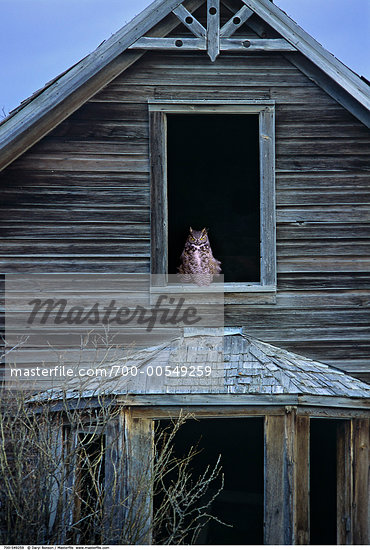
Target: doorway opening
(240,442)
(213,180)
(323,481)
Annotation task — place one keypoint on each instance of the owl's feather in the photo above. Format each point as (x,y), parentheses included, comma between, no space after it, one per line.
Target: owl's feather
(197,262)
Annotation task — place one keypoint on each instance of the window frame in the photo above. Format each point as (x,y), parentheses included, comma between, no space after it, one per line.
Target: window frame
(262,291)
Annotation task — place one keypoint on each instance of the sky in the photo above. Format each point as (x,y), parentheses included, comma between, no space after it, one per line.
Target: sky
(40,39)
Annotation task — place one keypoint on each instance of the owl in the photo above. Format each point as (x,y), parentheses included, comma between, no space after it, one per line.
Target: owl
(198,264)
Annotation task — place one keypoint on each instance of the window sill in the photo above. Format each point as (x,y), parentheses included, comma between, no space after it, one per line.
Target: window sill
(234,293)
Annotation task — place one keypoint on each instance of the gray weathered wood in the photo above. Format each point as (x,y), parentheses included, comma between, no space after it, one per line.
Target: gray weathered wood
(86,78)
(268,216)
(274,500)
(235,22)
(332,88)
(115,476)
(344,483)
(36,118)
(139,436)
(224,44)
(301,488)
(255,45)
(213,28)
(148,43)
(190,21)
(361,496)
(310,48)
(159,225)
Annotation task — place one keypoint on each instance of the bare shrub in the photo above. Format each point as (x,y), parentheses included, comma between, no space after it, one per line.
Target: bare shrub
(79,472)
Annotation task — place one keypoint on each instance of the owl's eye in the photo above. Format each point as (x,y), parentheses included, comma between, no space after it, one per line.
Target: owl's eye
(203,238)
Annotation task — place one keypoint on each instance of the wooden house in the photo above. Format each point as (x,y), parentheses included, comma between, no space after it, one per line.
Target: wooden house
(225,114)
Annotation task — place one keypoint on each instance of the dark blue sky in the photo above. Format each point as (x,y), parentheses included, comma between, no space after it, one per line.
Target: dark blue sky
(39,39)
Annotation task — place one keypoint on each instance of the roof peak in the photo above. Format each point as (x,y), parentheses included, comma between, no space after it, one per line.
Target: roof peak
(74,87)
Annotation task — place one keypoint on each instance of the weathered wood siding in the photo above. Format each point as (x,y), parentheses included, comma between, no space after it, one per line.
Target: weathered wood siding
(78,201)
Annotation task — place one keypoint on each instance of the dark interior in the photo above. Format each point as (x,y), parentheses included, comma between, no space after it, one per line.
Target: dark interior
(240,504)
(91,474)
(213,182)
(323,481)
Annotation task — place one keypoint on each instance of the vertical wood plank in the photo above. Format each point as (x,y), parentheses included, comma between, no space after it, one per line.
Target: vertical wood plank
(302,481)
(360,481)
(158,190)
(139,436)
(344,483)
(268,215)
(213,28)
(274,480)
(289,473)
(115,478)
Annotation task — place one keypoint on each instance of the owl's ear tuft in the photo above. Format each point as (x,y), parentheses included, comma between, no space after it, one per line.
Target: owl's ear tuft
(191,230)
(205,230)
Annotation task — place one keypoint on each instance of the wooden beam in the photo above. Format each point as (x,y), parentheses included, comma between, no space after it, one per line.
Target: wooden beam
(256,45)
(190,21)
(213,28)
(149,43)
(235,22)
(225,44)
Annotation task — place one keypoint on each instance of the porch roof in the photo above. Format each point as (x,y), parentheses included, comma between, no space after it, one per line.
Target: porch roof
(240,365)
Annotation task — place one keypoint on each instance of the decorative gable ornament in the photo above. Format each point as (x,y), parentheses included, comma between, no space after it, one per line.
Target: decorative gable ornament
(213,39)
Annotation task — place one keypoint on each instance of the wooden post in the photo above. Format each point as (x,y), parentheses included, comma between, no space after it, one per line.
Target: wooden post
(274,502)
(286,479)
(139,436)
(115,475)
(128,479)
(344,482)
(213,28)
(360,481)
(302,481)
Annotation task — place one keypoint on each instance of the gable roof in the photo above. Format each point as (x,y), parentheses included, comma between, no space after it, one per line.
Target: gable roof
(240,365)
(64,95)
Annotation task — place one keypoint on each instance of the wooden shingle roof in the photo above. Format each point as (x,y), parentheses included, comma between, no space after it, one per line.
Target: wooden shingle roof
(240,365)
